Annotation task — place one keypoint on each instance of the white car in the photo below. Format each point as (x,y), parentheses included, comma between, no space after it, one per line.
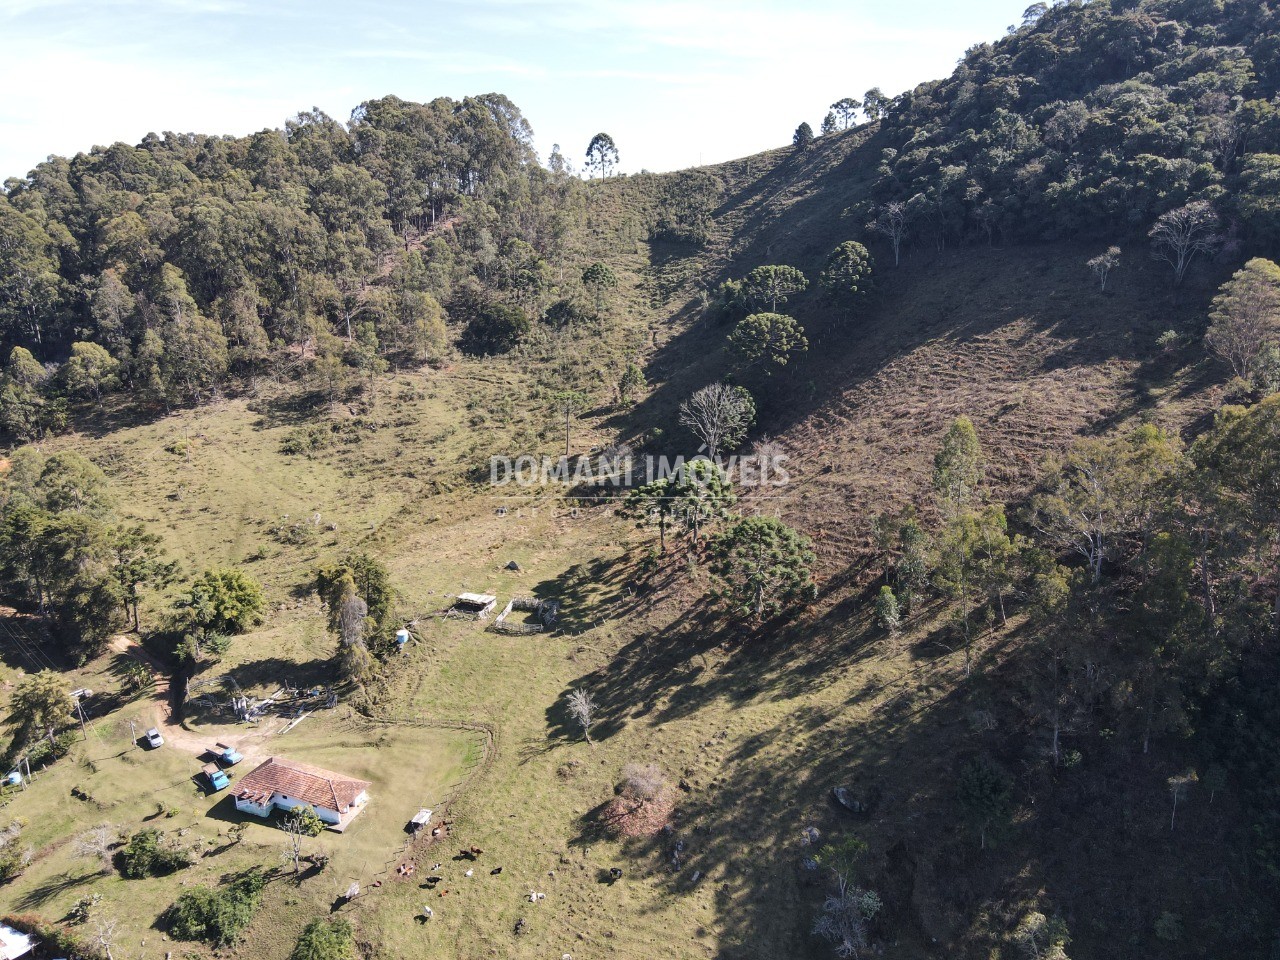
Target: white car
(153,738)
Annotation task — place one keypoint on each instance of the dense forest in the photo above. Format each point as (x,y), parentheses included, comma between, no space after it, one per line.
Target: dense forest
(1090,121)
(188,259)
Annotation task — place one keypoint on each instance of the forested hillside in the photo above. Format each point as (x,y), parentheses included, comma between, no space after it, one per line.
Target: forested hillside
(190,259)
(993,673)
(1092,120)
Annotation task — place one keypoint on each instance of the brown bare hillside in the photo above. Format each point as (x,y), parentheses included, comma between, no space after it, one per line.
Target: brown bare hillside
(1018,338)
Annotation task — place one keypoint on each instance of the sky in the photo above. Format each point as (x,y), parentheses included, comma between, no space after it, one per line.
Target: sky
(676,83)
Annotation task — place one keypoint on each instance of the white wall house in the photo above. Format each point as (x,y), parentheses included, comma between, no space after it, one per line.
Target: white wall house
(279,784)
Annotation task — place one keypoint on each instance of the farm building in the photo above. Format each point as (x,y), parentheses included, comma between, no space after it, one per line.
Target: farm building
(478,605)
(284,784)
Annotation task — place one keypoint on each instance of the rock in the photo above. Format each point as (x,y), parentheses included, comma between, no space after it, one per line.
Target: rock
(513,566)
(847,801)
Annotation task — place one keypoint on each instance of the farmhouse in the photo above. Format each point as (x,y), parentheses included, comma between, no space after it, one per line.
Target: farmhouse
(285,784)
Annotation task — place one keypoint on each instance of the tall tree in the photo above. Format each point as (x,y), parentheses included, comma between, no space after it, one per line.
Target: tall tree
(602,155)
(719,415)
(703,493)
(1246,319)
(139,561)
(876,104)
(1103,491)
(30,286)
(39,707)
(567,403)
(958,467)
(763,565)
(847,274)
(599,280)
(90,371)
(654,504)
(1182,235)
(846,109)
(768,338)
(891,222)
(630,383)
(772,284)
(1103,264)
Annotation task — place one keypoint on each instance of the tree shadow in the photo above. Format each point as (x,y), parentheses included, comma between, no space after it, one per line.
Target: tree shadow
(41,894)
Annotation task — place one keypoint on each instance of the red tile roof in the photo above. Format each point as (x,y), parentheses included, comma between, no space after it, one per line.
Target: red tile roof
(300,781)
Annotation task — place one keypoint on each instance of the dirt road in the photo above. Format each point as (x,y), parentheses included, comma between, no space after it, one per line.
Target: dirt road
(250,741)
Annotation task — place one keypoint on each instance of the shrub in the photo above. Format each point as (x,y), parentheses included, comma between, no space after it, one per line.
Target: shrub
(14,856)
(566,313)
(83,908)
(146,856)
(1169,927)
(306,440)
(325,940)
(217,916)
(642,781)
(63,743)
(497,328)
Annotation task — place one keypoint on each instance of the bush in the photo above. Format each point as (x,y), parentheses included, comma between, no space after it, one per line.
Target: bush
(14,858)
(642,781)
(1169,927)
(496,328)
(306,440)
(63,743)
(566,313)
(145,856)
(325,940)
(225,601)
(14,855)
(217,916)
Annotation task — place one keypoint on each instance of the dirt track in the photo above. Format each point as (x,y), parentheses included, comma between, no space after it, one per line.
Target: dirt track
(249,741)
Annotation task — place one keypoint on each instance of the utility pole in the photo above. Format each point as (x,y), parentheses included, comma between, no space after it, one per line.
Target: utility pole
(26,762)
(80,712)
(133,735)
